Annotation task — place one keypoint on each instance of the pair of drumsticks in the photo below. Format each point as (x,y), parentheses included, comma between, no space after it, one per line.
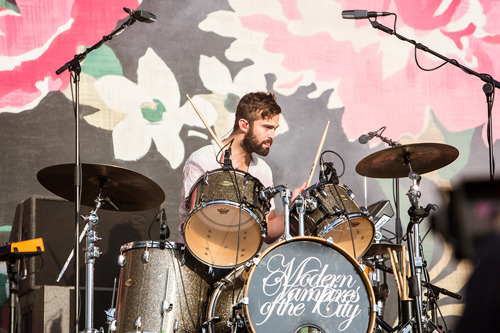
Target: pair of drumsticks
(220,143)
(400,272)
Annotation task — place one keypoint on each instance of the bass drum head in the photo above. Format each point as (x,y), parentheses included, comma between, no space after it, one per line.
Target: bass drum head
(308,284)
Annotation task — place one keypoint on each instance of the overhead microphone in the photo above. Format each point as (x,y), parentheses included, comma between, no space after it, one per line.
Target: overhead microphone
(362,14)
(364,138)
(141,15)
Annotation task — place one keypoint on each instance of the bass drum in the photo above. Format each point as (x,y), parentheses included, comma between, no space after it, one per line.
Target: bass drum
(161,290)
(303,285)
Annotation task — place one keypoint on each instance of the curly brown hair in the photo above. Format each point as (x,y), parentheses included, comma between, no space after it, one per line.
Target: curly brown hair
(256,105)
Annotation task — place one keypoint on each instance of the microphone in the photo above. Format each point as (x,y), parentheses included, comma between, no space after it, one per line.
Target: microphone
(322,176)
(364,138)
(362,14)
(141,15)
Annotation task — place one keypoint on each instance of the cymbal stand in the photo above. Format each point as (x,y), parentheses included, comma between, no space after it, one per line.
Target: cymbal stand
(91,253)
(417,214)
(300,205)
(286,195)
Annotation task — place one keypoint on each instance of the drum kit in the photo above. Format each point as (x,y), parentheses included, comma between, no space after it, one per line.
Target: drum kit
(322,276)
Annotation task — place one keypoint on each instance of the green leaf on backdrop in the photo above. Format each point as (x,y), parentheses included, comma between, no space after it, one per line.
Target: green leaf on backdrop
(10,4)
(153,112)
(459,140)
(101,62)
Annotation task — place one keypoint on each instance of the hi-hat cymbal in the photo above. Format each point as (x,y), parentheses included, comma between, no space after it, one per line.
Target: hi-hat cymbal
(381,249)
(393,162)
(127,189)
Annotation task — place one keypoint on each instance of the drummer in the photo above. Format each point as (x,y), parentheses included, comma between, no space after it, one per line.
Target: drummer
(256,121)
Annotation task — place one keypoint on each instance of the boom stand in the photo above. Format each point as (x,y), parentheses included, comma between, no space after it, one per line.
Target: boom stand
(73,66)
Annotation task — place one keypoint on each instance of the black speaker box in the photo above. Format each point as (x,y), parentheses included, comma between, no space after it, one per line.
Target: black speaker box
(53,220)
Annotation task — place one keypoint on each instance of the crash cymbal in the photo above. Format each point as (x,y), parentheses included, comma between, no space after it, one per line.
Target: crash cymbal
(393,162)
(381,249)
(127,189)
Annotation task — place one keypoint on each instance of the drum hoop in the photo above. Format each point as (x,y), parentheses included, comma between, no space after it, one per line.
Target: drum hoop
(350,258)
(151,244)
(341,219)
(244,207)
(216,293)
(237,171)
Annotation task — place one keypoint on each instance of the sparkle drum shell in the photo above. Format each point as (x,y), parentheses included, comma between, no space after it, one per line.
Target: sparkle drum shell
(330,218)
(303,284)
(226,222)
(161,290)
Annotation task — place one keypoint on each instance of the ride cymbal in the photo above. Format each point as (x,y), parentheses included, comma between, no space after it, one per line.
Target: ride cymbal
(394,162)
(127,189)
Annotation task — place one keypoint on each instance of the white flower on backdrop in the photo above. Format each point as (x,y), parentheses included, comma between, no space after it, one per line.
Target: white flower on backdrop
(153,110)
(217,78)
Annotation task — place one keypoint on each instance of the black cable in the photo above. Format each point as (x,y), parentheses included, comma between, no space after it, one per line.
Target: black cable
(340,157)
(157,218)
(346,214)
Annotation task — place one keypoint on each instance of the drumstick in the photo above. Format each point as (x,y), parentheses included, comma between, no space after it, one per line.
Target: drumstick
(403,263)
(395,273)
(317,154)
(400,276)
(205,123)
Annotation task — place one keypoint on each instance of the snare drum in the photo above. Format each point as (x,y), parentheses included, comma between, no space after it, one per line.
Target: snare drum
(304,285)
(329,216)
(226,221)
(161,290)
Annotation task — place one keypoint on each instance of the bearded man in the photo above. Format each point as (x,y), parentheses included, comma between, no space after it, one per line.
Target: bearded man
(256,120)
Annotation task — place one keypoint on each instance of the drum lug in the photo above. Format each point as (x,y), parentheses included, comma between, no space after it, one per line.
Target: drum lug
(350,193)
(364,210)
(145,256)
(244,301)
(329,240)
(122,260)
(256,260)
(166,307)
(362,267)
(138,323)
(113,326)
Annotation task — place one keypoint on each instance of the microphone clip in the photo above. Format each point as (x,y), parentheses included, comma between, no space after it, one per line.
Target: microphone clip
(164,230)
(228,165)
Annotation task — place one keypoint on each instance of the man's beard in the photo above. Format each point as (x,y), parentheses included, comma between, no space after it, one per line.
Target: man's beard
(251,145)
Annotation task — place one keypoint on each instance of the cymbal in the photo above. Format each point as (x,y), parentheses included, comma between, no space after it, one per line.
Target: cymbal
(127,189)
(381,249)
(393,162)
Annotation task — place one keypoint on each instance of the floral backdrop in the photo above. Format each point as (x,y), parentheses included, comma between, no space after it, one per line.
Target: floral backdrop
(135,113)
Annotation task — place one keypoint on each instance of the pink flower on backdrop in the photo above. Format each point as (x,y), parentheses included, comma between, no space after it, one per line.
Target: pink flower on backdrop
(400,100)
(45,34)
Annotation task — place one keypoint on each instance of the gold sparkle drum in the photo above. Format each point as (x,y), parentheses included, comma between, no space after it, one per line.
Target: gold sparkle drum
(226,221)
(329,216)
(303,285)
(161,290)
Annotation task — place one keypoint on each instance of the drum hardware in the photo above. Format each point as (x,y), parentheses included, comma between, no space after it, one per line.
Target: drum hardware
(111,312)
